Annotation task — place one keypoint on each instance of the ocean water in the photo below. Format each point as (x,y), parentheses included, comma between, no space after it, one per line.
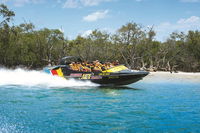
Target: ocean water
(33,102)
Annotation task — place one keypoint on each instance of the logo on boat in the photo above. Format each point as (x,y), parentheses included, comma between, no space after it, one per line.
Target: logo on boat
(86,76)
(76,75)
(96,77)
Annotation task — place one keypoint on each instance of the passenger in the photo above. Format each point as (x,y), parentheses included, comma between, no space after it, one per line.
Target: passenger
(79,66)
(91,66)
(111,65)
(115,63)
(94,62)
(97,63)
(103,67)
(107,66)
(73,66)
(97,66)
(97,69)
(85,68)
(85,62)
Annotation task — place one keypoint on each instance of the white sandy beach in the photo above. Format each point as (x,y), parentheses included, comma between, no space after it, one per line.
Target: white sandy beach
(172,77)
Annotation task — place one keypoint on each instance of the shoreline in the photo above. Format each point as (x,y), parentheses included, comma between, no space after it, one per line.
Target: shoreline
(180,77)
(177,73)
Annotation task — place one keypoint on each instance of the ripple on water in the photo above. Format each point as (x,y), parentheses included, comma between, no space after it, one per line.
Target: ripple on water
(152,107)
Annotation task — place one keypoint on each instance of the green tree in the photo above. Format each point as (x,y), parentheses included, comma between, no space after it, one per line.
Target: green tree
(5,31)
(129,36)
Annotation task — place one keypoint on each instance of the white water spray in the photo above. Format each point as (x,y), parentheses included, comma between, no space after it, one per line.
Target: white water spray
(37,78)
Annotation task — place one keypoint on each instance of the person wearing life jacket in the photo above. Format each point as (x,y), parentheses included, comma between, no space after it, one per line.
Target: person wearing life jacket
(107,66)
(115,63)
(73,66)
(79,66)
(97,66)
(85,68)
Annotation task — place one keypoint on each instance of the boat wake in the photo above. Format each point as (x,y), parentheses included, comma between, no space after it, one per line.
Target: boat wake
(31,78)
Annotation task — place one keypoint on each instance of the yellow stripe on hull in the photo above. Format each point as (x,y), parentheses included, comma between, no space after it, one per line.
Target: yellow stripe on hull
(60,73)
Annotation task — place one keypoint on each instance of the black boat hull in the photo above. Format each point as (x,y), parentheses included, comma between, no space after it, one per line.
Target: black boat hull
(119,80)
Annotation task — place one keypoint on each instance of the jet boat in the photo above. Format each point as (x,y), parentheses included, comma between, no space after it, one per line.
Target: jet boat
(117,75)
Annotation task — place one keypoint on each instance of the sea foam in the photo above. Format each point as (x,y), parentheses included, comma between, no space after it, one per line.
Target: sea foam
(37,78)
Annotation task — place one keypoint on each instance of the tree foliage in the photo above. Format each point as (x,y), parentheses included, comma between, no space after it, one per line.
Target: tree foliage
(131,44)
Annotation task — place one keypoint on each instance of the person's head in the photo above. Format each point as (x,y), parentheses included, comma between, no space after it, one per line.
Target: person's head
(94,62)
(73,63)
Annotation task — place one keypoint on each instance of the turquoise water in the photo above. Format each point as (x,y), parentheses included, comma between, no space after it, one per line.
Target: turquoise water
(151,105)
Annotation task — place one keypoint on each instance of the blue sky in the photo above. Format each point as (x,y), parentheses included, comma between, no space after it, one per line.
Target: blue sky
(80,17)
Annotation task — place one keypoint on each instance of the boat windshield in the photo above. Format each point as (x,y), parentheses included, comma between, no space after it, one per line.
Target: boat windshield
(68,59)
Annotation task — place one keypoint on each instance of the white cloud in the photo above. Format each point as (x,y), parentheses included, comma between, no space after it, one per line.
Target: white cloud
(3,1)
(192,20)
(92,2)
(86,33)
(103,30)
(190,1)
(82,3)
(71,4)
(19,3)
(95,16)
(183,24)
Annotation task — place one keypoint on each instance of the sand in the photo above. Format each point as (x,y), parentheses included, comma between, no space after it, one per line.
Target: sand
(173,77)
